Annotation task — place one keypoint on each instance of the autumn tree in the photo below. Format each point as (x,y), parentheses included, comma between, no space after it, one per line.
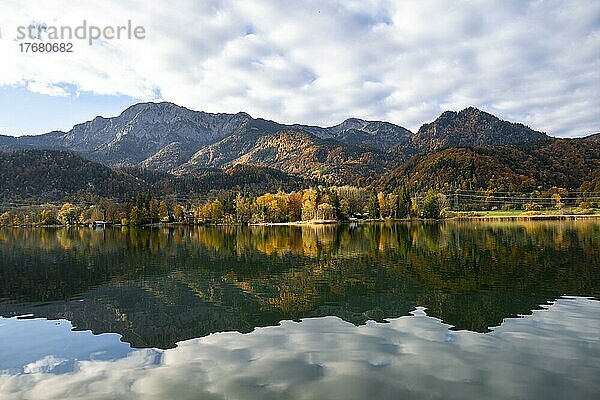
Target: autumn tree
(47,217)
(557,195)
(68,214)
(309,204)
(391,204)
(153,211)
(5,219)
(325,211)
(355,199)
(96,214)
(216,212)
(294,206)
(178,213)
(345,208)
(135,217)
(243,209)
(163,212)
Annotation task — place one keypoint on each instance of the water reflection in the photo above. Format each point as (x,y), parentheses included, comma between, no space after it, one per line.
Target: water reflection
(156,287)
(553,353)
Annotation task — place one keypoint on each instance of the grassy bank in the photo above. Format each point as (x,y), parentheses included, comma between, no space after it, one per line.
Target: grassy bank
(564,214)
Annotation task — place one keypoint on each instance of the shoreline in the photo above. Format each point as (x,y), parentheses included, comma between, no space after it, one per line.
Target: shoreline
(490,218)
(549,217)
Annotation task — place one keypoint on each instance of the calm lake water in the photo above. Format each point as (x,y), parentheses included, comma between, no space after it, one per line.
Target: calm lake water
(376,311)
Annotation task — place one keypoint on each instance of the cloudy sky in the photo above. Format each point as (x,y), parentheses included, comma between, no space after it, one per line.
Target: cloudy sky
(536,62)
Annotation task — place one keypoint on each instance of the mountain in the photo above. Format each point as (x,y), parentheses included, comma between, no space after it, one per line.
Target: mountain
(467,128)
(172,139)
(167,137)
(561,162)
(595,137)
(164,135)
(47,141)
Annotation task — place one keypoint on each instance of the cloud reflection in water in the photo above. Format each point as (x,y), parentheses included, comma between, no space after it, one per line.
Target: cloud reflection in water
(552,354)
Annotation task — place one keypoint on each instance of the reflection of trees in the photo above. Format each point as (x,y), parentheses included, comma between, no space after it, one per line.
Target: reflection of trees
(157,286)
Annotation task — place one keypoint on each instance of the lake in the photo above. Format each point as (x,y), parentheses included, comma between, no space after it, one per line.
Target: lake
(453,310)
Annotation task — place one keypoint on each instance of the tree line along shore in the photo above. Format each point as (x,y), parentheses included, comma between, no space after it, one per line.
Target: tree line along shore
(312,205)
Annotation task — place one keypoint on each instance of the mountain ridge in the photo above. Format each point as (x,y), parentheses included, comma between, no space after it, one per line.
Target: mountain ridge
(170,138)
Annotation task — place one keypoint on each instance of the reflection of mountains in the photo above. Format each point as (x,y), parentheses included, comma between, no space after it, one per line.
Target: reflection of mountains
(157,287)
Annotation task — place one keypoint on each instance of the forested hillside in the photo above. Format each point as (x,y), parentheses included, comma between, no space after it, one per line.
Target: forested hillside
(44,175)
(562,163)
(50,175)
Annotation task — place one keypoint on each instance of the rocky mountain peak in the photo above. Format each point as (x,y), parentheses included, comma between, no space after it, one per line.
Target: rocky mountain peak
(471,127)
(352,123)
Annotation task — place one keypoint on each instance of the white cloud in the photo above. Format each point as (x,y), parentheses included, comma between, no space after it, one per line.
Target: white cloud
(44,365)
(45,88)
(536,62)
